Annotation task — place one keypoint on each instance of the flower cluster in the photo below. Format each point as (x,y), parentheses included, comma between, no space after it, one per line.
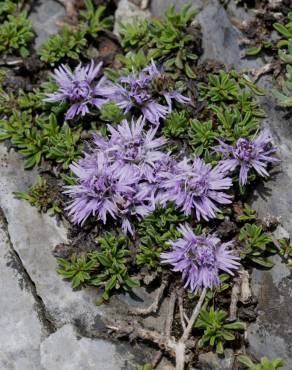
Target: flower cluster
(247,154)
(131,149)
(112,177)
(78,88)
(127,174)
(200,258)
(137,91)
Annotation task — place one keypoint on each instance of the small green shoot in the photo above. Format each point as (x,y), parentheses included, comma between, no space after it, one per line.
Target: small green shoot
(216,330)
(15,35)
(68,44)
(154,232)
(41,197)
(95,21)
(265,363)
(113,272)
(77,270)
(256,245)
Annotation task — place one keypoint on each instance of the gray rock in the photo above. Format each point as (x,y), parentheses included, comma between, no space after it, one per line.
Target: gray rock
(211,361)
(271,334)
(63,350)
(20,328)
(33,236)
(44,18)
(158,7)
(126,12)
(281,233)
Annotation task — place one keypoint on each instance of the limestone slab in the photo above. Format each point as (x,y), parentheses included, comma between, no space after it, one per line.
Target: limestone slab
(20,328)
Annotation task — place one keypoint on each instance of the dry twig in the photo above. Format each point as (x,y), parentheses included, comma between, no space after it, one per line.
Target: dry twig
(157,358)
(142,4)
(15,62)
(276,243)
(235,292)
(70,9)
(180,347)
(245,291)
(181,312)
(136,330)
(257,73)
(175,348)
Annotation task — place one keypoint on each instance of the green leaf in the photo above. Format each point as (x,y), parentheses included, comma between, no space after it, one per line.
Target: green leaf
(132,283)
(278,362)
(235,326)
(245,360)
(24,52)
(189,72)
(282,29)
(219,347)
(254,50)
(111,283)
(265,262)
(282,43)
(255,89)
(227,335)
(178,61)
(104,260)
(76,281)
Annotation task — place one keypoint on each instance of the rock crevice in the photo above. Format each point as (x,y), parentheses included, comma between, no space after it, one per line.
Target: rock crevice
(27,282)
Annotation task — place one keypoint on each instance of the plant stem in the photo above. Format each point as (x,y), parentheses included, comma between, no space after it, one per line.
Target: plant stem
(181,345)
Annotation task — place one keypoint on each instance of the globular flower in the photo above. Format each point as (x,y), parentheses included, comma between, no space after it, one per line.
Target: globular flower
(131,149)
(78,88)
(195,185)
(98,192)
(106,189)
(138,91)
(200,258)
(247,154)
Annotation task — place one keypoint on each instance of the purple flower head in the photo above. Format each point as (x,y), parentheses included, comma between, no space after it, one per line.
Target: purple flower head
(247,154)
(78,88)
(136,90)
(98,192)
(200,258)
(110,178)
(196,185)
(132,149)
(134,205)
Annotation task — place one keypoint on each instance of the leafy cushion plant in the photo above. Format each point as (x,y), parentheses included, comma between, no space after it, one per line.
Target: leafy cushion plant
(256,245)
(94,18)
(164,38)
(106,268)
(216,330)
(15,35)
(68,44)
